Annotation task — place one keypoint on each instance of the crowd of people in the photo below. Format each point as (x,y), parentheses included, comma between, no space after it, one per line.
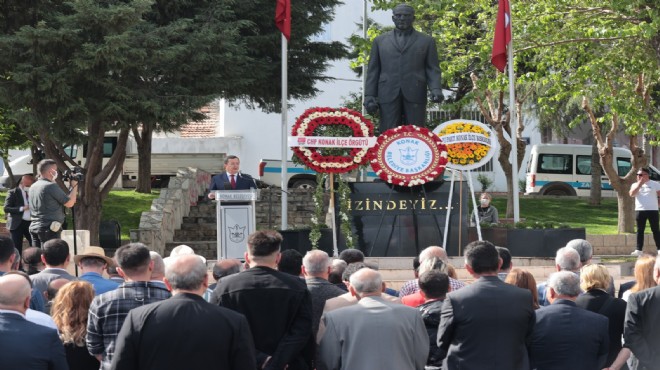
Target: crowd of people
(283,310)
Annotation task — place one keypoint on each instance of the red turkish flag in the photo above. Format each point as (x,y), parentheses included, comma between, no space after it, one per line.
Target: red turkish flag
(283,17)
(502,35)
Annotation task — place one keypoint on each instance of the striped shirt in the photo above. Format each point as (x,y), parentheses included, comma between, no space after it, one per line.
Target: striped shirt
(108,311)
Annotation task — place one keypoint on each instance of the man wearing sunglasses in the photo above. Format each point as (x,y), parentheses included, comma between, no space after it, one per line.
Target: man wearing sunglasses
(646,193)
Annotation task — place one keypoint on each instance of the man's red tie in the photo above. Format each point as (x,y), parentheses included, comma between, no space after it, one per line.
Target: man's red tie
(233,182)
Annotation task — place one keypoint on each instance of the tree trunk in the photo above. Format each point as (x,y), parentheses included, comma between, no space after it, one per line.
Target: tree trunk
(626,209)
(143,141)
(596,173)
(12,183)
(88,211)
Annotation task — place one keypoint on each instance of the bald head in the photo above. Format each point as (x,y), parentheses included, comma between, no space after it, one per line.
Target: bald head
(54,287)
(433,251)
(226,267)
(366,282)
(14,292)
(187,273)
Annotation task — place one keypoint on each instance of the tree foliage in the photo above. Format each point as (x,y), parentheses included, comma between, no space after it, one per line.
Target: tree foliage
(74,70)
(605,53)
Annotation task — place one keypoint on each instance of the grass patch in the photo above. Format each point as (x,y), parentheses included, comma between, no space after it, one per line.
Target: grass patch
(123,206)
(574,212)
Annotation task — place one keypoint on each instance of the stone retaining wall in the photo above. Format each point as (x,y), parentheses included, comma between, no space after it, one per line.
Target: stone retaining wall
(167,211)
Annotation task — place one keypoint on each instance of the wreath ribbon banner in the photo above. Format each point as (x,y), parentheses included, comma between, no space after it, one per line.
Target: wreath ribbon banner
(331,142)
(303,131)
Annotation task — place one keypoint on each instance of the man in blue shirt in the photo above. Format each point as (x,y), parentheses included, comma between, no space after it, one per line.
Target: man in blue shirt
(91,263)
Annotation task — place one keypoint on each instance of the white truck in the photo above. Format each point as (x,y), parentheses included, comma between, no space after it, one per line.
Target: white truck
(168,154)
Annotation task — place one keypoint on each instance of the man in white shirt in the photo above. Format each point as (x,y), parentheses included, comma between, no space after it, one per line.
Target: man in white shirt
(646,193)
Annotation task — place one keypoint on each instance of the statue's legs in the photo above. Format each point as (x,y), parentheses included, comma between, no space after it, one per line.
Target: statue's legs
(401,112)
(414,113)
(391,114)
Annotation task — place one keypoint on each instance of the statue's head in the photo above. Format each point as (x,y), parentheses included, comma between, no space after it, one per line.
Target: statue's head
(403,16)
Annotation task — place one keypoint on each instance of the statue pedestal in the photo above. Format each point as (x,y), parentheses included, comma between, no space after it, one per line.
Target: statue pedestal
(391,221)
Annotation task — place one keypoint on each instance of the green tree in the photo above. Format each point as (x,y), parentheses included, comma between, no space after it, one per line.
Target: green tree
(74,70)
(77,69)
(603,52)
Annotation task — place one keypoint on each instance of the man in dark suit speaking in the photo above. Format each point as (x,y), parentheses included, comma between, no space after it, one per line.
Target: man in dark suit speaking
(231,179)
(403,62)
(18,212)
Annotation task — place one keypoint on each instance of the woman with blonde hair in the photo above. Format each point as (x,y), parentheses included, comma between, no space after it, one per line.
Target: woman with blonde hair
(643,276)
(524,279)
(594,281)
(69,311)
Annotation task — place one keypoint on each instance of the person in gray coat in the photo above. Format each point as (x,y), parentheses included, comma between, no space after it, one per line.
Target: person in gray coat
(374,333)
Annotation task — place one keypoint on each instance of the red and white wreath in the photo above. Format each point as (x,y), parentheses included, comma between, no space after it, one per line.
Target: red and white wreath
(408,156)
(311,119)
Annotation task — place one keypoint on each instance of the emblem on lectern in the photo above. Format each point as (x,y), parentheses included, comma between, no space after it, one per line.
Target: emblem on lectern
(237,233)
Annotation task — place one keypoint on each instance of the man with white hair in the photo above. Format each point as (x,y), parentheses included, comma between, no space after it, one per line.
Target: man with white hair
(641,330)
(412,286)
(25,345)
(316,269)
(586,252)
(214,336)
(348,342)
(566,336)
(566,259)
(158,273)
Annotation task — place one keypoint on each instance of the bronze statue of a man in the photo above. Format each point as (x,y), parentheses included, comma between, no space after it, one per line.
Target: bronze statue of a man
(403,62)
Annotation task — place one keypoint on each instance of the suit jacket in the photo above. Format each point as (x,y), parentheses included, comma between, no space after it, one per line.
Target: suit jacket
(614,309)
(41,279)
(345,300)
(641,329)
(278,308)
(242,182)
(207,334)
(568,337)
(402,342)
(408,69)
(13,204)
(486,325)
(321,290)
(29,346)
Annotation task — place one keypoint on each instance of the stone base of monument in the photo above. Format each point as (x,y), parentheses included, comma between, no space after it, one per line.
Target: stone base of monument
(529,242)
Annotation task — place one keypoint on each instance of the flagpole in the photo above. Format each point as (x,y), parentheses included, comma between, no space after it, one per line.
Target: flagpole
(514,137)
(285,106)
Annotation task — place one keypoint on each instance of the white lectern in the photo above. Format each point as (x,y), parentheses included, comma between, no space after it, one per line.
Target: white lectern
(235,213)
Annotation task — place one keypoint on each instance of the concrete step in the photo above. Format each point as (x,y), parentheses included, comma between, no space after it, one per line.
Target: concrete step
(205,219)
(195,235)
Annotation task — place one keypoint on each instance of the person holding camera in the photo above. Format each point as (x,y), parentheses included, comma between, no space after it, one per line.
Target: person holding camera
(46,199)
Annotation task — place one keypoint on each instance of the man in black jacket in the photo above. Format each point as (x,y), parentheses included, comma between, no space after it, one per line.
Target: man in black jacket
(209,335)
(434,285)
(18,212)
(278,306)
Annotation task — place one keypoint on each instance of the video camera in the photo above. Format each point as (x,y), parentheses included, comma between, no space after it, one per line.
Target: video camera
(76,173)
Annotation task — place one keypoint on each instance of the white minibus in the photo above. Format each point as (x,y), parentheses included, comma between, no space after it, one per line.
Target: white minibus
(565,169)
